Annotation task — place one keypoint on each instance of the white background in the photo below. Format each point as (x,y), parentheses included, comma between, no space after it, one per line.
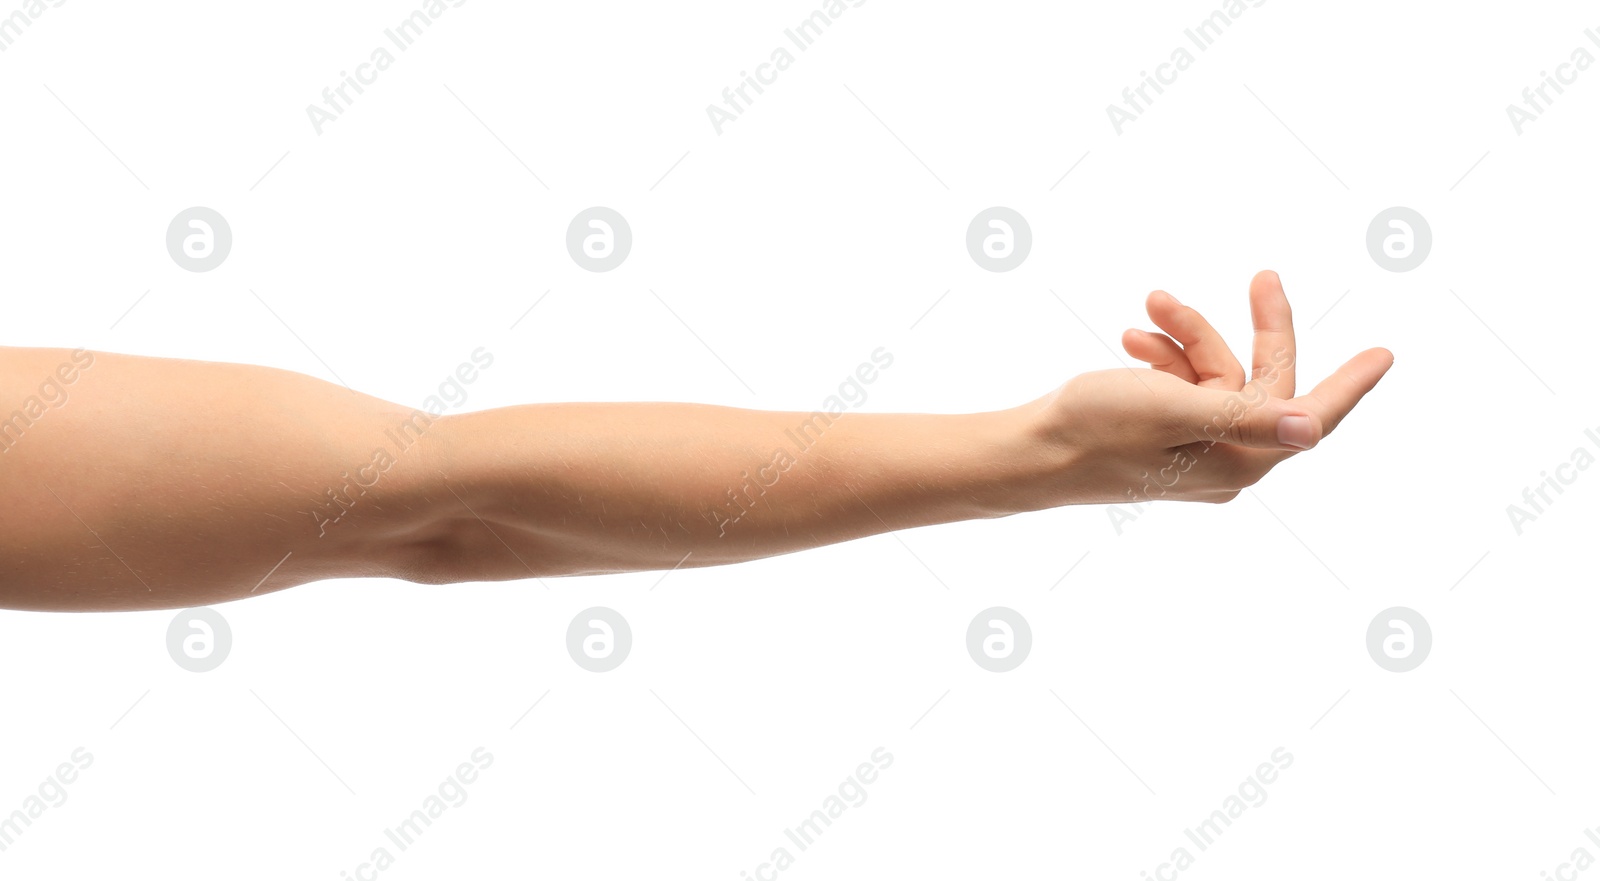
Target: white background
(1170,662)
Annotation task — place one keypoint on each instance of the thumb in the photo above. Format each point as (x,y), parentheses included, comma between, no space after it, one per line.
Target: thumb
(1251,417)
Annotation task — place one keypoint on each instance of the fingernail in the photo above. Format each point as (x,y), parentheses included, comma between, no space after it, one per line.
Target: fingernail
(1297,432)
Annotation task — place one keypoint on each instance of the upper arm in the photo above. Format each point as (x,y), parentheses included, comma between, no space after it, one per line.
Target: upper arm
(134,482)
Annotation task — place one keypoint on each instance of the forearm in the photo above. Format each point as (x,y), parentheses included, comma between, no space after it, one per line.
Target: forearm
(586,488)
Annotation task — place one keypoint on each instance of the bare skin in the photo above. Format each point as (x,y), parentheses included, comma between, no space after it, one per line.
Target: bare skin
(150,483)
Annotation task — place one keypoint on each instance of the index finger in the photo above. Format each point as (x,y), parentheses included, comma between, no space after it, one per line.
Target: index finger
(1334,397)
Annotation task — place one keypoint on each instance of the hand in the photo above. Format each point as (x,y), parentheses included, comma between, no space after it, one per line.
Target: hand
(1192,428)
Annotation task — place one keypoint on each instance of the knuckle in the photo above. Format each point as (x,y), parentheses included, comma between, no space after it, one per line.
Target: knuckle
(1246,432)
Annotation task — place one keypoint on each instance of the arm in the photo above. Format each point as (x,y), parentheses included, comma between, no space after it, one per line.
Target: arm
(160,483)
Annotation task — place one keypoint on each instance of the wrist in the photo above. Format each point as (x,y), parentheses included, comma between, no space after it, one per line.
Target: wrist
(1024,462)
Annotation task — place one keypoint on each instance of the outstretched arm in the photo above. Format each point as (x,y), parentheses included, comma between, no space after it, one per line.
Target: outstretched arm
(152,483)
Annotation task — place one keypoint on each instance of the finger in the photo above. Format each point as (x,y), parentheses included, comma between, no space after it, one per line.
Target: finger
(1253,418)
(1211,358)
(1336,396)
(1159,351)
(1272,361)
